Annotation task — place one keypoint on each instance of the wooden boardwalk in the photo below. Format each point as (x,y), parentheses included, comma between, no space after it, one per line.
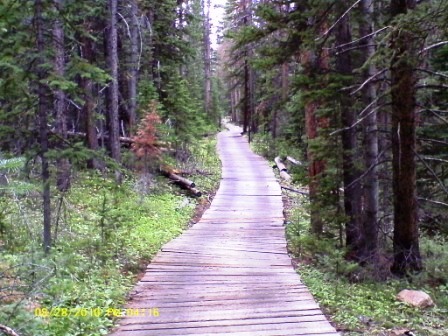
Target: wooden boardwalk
(230,273)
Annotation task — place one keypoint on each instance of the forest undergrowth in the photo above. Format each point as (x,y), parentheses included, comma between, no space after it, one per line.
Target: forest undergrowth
(104,235)
(359,300)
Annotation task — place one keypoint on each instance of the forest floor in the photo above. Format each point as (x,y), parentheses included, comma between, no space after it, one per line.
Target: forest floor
(104,234)
(367,307)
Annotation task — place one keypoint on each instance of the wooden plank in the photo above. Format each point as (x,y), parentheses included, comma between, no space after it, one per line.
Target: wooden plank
(203,316)
(308,327)
(155,325)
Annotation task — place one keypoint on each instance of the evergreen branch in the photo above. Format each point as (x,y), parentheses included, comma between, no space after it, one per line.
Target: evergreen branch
(337,21)
(12,165)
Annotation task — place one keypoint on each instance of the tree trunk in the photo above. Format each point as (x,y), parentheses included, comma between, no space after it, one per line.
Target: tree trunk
(315,169)
(351,173)
(112,90)
(63,164)
(370,183)
(207,60)
(246,108)
(406,244)
(247,115)
(313,65)
(133,67)
(88,109)
(44,105)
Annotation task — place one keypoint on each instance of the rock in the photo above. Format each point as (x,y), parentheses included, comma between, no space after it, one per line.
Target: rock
(415,298)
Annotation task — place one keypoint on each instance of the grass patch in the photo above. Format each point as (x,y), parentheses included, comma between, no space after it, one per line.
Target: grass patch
(370,308)
(104,235)
(107,233)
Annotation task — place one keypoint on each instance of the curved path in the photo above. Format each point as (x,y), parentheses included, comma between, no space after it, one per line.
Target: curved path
(230,273)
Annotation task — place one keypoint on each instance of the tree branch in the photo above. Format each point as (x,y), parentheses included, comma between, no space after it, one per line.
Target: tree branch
(431,86)
(432,201)
(360,114)
(338,20)
(442,185)
(376,163)
(126,23)
(432,72)
(295,190)
(361,38)
(440,142)
(432,46)
(367,81)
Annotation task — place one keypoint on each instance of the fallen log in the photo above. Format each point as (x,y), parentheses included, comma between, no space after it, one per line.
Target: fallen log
(8,331)
(282,169)
(294,161)
(195,192)
(183,182)
(127,140)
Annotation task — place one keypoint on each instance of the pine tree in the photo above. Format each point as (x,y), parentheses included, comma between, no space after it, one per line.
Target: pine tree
(44,96)
(403,92)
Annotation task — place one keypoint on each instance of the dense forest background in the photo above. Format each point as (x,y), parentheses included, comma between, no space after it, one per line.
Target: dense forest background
(357,90)
(99,97)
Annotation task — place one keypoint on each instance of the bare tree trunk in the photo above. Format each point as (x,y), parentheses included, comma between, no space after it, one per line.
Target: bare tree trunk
(233,102)
(370,183)
(63,164)
(133,71)
(351,173)
(44,105)
(112,90)
(207,60)
(406,244)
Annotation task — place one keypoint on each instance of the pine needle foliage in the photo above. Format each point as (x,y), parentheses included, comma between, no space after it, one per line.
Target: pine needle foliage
(144,143)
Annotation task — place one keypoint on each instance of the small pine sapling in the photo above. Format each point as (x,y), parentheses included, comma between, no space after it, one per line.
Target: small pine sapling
(144,142)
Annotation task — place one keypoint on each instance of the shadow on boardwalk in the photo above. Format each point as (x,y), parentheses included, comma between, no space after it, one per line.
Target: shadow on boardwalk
(230,274)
